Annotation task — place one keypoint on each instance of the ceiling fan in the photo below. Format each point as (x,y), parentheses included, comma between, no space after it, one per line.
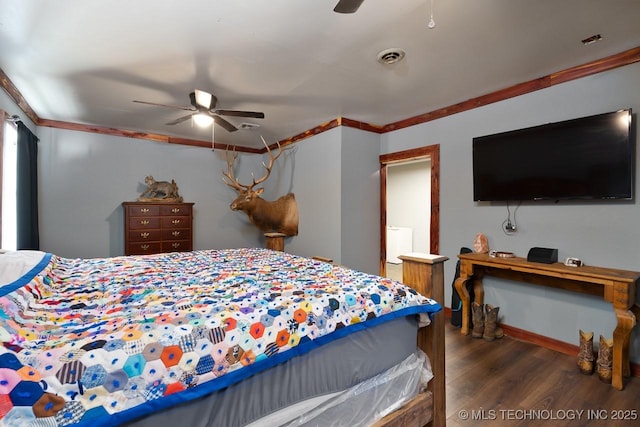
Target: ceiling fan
(351,6)
(204,112)
(347,6)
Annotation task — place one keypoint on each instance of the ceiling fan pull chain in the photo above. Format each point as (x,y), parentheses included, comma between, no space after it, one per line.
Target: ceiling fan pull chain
(432,23)
(213,138)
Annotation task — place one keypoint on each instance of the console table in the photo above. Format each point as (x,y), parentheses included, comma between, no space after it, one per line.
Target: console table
(615,286)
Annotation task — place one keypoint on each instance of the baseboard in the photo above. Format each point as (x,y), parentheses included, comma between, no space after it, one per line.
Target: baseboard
(541,340)
(546,342)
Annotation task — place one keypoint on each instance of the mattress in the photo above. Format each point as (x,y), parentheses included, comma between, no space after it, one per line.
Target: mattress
(367,402)
(332,368)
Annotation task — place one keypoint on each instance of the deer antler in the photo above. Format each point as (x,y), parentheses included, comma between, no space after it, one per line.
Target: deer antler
(228,176)
(272,159)
(232,182)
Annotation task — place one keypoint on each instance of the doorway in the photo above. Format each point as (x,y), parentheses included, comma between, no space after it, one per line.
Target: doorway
(430,156)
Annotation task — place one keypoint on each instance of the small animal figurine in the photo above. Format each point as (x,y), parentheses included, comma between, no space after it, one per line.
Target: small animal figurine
(160,190)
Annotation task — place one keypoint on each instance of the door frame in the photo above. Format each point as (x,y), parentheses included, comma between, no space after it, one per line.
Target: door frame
(431,152)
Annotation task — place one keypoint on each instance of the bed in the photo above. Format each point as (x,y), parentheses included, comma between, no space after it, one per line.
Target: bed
(228,337)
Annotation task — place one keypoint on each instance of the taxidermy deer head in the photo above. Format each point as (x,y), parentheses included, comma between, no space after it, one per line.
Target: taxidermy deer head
(278,216)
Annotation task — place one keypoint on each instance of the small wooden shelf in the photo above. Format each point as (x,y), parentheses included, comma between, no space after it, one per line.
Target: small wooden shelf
(275,241)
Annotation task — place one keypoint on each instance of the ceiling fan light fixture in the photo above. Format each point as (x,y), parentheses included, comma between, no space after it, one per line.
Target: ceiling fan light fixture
(203,98)
(391,56)
(203,114)
(202,119)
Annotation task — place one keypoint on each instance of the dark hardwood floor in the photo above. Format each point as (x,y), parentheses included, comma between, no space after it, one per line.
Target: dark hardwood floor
(513,383)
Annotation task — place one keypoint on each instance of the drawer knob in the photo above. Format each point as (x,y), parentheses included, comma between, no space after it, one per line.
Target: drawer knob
(175,222)
(144,235)
(175,233)
(175,210)
(175,245)
(144,247)
(144,210)
(144,222)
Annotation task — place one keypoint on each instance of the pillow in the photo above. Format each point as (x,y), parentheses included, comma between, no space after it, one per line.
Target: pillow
(15,264)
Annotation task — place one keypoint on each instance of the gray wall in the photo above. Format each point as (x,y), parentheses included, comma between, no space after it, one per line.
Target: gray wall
(317,183)
(360,211)
(85,177)
(336,182)
(603,234)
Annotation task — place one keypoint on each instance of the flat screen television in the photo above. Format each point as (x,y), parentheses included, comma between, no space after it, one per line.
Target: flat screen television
(586,158)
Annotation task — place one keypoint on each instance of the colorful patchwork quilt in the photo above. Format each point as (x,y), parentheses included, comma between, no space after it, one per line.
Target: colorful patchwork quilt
(97,342)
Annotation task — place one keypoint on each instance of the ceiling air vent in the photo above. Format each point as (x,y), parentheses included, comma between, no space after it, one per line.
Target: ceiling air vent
(248,126)
(390,56)
(593,39)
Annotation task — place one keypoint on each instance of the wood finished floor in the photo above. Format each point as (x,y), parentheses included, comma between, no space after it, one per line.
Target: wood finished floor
(501,383)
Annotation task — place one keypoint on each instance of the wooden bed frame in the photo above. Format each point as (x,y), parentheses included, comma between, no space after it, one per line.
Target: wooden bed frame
(425,274)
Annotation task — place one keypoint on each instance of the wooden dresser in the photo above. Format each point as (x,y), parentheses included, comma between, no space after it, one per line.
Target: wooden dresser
(151,228)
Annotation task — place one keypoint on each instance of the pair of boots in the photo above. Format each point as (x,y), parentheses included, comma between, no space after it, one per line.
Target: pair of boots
(485,325)
(605,356)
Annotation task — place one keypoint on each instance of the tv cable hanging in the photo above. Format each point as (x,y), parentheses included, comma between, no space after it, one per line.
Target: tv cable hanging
(508,226)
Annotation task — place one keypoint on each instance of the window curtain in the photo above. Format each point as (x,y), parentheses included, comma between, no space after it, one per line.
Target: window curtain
(27,189)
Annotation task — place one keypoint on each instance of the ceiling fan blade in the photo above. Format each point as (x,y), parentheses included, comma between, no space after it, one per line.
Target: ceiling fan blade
(180,119)
(164,105)
(225,124)
(236,113)
(347,6)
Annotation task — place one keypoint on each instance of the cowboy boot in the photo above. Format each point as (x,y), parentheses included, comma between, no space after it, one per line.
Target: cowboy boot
(585,356)
(605,359)
(491,328)
(477,316)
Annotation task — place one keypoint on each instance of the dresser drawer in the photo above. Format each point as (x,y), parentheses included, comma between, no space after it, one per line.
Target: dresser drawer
(139,223)
(176,246)
(145,235)
(176,222)
(149,210)
(175,210)
(176,234)
(144,248)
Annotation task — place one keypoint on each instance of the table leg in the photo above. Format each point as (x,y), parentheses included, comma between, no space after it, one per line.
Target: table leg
(478,287)
(466,302)
(466,273)
(621,338)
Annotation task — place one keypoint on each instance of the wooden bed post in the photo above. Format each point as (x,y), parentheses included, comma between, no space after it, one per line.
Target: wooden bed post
(425,274)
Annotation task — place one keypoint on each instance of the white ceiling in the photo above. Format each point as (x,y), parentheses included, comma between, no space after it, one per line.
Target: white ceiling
(297,61)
